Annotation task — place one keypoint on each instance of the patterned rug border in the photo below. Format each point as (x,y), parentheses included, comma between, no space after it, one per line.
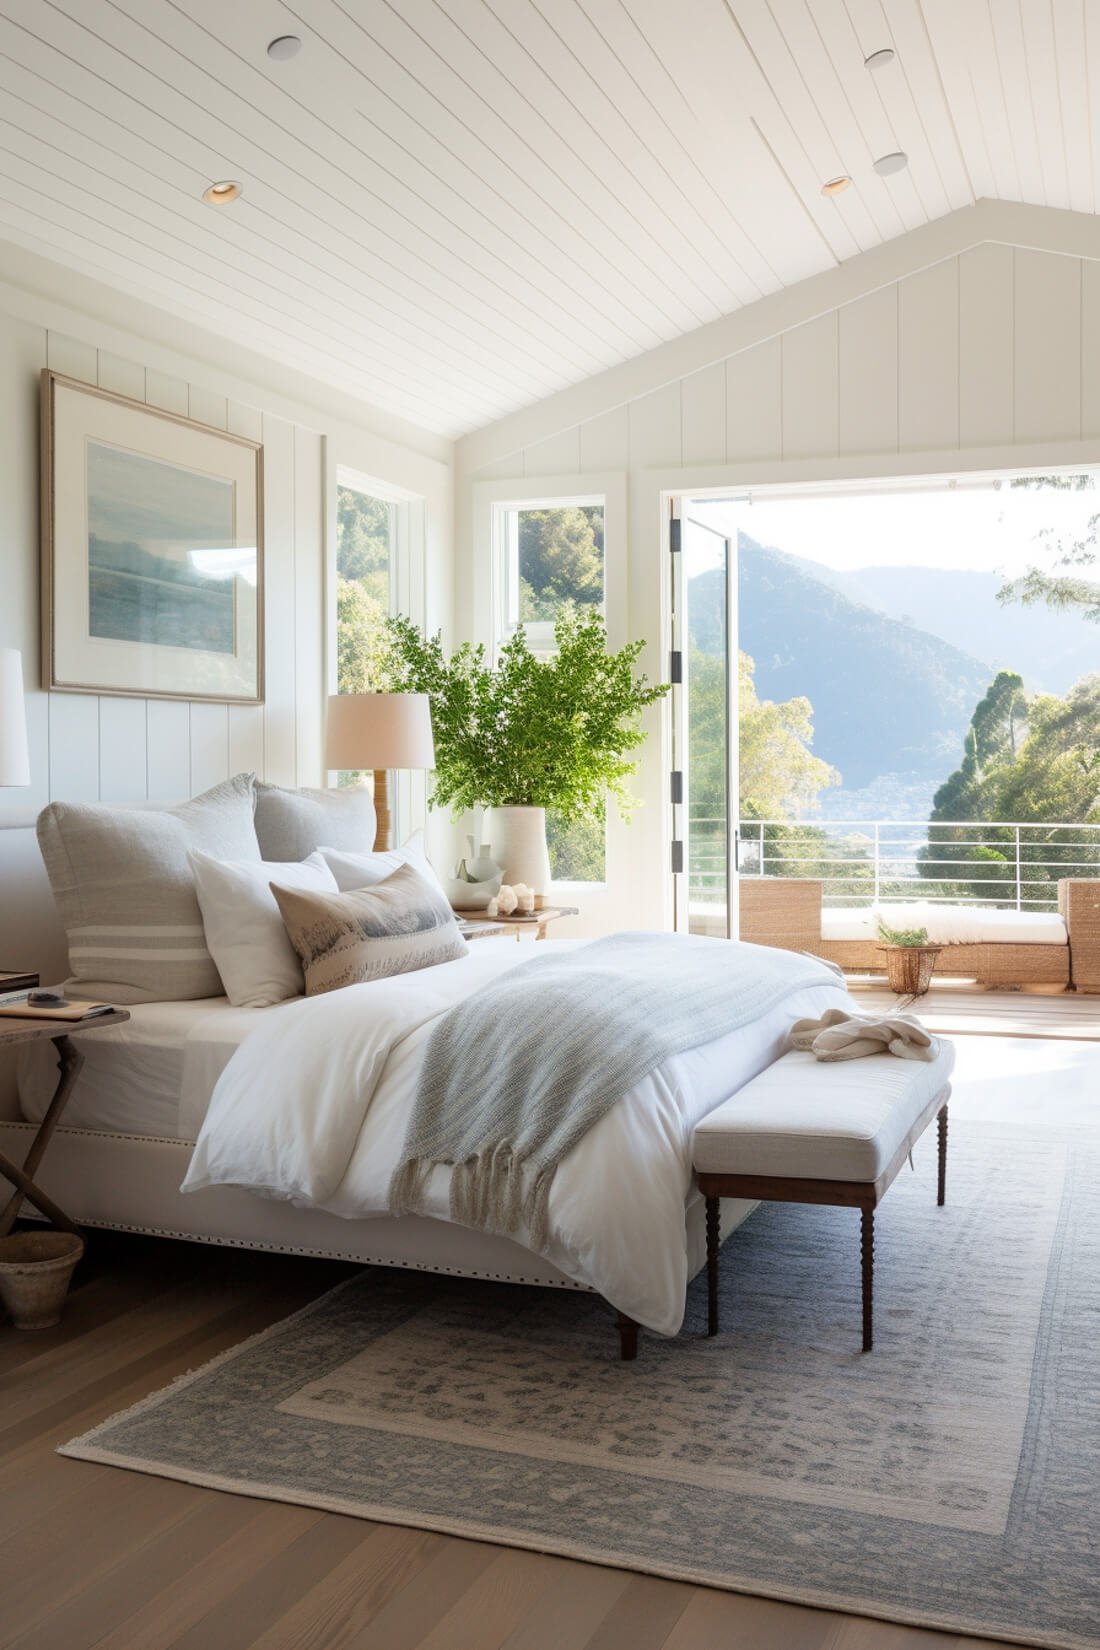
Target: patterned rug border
(84,1448)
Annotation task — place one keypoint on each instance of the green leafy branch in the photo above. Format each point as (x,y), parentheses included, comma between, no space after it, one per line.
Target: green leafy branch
(552,732)
(902,936)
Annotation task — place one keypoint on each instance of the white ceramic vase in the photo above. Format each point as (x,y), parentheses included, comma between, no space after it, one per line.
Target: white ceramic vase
(518,838)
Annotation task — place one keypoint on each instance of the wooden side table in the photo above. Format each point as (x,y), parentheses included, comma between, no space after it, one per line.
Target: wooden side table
(69,1062)
(17,982)
(476,925)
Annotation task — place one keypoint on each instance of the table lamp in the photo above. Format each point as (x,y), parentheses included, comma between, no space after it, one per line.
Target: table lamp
(15,762)
(379,731)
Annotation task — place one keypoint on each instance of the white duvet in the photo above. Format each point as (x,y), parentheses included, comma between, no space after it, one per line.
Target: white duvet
(313,1106)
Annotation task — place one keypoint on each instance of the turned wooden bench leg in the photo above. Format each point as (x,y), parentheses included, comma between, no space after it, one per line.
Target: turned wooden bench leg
(714,1241)
(628,1338)
(867,1253)
(941,1121)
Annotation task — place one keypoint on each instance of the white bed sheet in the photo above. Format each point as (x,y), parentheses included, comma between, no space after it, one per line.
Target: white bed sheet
(316,1115)
(135,1075)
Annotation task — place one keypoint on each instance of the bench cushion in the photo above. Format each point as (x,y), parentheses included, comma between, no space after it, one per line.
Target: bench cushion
(805,1119)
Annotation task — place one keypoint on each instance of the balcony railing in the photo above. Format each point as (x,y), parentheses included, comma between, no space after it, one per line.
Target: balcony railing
(955,862)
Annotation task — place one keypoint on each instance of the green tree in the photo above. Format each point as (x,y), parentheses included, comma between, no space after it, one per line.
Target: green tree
(364,647)
(1033,761)
(780,776)
(363,541)
(1068,591)
(560,559)
(363,644)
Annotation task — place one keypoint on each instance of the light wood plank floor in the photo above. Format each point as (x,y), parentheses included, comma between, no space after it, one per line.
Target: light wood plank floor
(92,1556)
(955,1008)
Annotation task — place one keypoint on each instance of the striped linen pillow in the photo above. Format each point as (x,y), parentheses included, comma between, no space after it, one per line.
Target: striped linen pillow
(397,925)
(125,890)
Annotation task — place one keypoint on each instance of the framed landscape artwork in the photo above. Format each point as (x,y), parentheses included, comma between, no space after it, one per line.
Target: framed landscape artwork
(152,551)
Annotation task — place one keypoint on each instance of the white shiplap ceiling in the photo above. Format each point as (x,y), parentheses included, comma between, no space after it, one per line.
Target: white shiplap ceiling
(453,208)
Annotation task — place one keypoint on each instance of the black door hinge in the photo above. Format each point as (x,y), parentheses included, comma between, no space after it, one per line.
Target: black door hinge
(675,666)
(677,857)
(674,538)
(676,785)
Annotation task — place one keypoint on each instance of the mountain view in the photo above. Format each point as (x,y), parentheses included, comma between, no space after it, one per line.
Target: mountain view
(891,702)
(1050,649)
(893,661)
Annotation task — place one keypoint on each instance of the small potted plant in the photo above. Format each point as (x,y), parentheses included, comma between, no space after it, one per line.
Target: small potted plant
(529,733)
(909,959)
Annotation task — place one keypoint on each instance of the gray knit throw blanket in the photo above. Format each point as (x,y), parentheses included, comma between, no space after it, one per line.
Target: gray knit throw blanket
(516,1075)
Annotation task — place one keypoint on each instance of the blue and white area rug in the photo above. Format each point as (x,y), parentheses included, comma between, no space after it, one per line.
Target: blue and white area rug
(949,1479)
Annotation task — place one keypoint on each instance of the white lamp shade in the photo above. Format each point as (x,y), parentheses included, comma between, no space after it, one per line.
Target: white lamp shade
(379,730)
(15,761)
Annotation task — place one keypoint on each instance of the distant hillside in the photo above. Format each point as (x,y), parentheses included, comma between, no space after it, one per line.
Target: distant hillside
(888,698)
(1050,650)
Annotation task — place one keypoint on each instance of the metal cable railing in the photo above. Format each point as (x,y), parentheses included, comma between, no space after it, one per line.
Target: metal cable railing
(1005,863)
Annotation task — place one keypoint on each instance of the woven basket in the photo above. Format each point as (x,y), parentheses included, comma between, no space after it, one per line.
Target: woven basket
(909,967)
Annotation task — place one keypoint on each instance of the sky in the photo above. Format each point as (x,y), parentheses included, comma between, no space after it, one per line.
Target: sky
(994,529)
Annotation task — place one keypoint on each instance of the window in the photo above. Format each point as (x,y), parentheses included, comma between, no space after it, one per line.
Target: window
(553,556)
(550,556)
(366,528)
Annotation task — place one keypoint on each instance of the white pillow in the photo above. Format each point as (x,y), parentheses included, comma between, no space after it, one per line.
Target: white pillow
(245,933)
(364,870)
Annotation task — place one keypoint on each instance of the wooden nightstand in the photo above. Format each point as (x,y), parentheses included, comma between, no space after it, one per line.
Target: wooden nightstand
(17,982)
(475,925)
(69,1061)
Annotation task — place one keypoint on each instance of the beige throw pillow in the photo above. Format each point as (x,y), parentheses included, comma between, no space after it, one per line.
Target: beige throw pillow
(293,824)
(125,890)
(394,927)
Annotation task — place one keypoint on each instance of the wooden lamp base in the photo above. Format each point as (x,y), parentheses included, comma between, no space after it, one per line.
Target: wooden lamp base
(382,809)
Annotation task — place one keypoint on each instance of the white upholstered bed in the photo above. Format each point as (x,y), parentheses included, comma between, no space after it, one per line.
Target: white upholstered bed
(143,1095)
(128,1137)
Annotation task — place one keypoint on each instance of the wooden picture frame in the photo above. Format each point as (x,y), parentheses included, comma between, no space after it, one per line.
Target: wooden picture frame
(152,551)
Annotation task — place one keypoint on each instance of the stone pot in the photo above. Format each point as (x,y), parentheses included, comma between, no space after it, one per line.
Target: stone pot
(35,1268)
(518,837)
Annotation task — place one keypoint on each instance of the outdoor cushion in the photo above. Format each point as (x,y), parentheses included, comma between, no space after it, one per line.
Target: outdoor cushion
(801,1119)
(947,924)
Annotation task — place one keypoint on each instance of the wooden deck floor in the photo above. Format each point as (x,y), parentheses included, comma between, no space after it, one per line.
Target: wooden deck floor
(956,1008)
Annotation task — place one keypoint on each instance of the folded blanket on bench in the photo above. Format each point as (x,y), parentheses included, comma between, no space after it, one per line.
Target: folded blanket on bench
(515,1076)
(840,1036)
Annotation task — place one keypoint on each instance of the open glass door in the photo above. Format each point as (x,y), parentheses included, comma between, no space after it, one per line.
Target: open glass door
(704,787)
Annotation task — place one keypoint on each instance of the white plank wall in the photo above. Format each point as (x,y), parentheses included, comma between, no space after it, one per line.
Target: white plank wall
(993,348)
(997,346)
(89,748)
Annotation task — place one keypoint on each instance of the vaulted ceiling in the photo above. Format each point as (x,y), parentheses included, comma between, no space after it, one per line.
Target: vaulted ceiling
(452,208)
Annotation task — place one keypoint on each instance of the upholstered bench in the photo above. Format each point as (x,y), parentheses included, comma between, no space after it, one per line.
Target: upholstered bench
(811,1131)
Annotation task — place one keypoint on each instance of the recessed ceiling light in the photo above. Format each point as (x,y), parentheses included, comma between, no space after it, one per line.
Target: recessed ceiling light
(835,186)
(220,194)
(879,59)
(886,164)
(285,46)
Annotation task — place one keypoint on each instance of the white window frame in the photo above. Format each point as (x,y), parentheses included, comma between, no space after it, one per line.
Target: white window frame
(407,595)
(496,606)
(505,552)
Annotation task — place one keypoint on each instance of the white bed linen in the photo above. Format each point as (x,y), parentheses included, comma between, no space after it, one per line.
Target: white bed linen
(314,1108)
(135,1075)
